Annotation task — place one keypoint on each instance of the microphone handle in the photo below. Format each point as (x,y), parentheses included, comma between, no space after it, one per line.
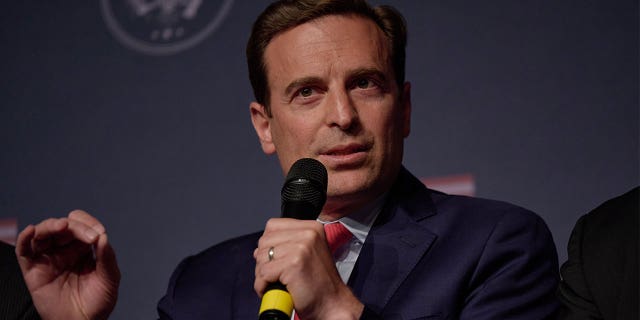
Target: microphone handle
(276,303)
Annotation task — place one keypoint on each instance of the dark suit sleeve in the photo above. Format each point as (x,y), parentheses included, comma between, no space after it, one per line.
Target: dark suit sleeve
(517,274)
(198,291)
(573,291)
(600,277)
(15,300)
(216,283)
(166,304)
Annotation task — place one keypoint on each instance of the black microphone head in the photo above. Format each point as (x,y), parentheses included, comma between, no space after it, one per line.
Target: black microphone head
(305,190)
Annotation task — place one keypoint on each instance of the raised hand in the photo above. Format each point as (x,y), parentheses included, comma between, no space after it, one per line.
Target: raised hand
(69,267)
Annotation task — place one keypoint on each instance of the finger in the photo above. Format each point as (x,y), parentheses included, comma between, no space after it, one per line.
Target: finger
(50,227)
(281,252)
(284,229)
(23,243)
(46,233)
(262,255)
(307,236)
(258,286)
(282,224)
(106,263)
(285,257)
(87,219)
(109,273)
(265,274)
(75,255)
(268,271)
(82,231)
(57,233)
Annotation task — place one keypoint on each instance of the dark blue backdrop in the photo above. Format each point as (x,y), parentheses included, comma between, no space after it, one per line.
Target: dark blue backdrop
(537,99)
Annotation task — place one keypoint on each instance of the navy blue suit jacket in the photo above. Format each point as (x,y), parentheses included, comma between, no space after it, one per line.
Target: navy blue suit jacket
(428,256)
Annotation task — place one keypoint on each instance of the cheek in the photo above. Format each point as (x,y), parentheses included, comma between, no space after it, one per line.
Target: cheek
(390,131)
(386,125)
(292,136)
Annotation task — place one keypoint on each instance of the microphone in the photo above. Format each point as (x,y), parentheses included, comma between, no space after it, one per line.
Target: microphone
(303,195)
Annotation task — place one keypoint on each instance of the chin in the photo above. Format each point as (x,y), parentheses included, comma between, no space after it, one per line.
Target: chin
(348,186)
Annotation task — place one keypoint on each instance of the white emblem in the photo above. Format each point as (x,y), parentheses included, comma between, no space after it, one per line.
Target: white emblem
(163,27)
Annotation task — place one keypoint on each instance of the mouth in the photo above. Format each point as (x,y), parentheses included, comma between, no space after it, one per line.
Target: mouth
(346,150)
(345,156)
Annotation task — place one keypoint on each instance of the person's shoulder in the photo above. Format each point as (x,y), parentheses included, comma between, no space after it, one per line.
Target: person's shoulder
(234,250)
(211,274)
(481,209)
(613,223)
(620,210)
(459,211)
(217,264)
(8,261)
(7,253)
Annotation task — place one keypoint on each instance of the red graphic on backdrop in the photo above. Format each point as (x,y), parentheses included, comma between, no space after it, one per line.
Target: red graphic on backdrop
(460,184)
(8,230)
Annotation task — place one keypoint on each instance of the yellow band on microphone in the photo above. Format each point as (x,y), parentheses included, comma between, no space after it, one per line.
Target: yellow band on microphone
(278,300)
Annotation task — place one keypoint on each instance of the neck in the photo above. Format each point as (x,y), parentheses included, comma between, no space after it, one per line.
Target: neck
(337,208)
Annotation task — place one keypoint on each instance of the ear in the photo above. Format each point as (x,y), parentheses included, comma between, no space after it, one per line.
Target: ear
(262,124)
(406,109)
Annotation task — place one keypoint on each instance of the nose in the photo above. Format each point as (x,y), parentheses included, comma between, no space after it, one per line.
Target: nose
(341,112)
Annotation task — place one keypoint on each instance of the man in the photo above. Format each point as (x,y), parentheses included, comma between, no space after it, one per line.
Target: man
(328,78)
(600,278)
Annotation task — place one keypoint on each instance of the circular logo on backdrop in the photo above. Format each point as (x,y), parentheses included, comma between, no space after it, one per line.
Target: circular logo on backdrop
(163,27)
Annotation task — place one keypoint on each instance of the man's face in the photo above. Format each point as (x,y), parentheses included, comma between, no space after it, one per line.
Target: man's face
(334,98)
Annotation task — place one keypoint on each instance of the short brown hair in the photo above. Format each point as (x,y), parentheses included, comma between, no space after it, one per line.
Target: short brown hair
(286,14)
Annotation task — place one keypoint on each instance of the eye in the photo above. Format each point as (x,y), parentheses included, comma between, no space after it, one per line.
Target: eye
(306,92)
(307,95)
(363,83)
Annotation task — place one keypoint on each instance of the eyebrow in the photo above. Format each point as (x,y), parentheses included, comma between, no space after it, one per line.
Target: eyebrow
(357,73)
(302,82)
(368,72)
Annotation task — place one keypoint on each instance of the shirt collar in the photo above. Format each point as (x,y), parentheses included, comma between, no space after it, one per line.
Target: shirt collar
(359,223)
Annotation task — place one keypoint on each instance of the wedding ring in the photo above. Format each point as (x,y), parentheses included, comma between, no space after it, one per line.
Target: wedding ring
(270,253)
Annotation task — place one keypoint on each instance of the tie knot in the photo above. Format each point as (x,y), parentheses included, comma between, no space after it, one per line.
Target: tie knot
(337,235)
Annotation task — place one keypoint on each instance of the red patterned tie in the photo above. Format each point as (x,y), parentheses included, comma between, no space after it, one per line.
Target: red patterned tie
(337,235)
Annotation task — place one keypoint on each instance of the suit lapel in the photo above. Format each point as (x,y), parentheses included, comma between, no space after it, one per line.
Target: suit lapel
(395,244)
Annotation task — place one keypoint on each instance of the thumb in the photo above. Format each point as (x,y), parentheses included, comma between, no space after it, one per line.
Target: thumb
(106,263)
